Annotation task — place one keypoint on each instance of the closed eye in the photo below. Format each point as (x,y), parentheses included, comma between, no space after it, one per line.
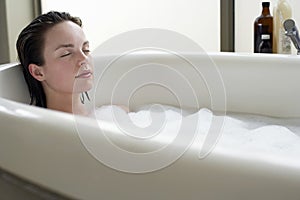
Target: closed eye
(64,55)
(86,51)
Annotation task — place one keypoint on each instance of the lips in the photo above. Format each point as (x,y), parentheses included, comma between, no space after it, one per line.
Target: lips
(84,74)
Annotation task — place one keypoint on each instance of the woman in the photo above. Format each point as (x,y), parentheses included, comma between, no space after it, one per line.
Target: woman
(57,65)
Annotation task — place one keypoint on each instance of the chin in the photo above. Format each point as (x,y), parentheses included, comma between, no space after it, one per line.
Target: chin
(83,86)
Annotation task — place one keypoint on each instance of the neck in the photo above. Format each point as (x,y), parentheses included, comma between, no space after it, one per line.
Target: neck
(69,103)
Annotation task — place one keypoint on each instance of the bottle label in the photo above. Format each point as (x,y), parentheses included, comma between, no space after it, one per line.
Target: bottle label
(265,36)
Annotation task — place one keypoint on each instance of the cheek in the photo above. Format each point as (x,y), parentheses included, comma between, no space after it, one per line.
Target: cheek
(60,76)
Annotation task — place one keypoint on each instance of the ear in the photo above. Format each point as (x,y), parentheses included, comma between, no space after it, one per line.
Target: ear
(37,72)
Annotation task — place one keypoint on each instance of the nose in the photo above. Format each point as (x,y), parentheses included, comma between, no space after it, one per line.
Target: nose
(83,65)
(82,58)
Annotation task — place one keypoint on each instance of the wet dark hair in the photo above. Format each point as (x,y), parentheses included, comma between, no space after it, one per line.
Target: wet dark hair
(30,47)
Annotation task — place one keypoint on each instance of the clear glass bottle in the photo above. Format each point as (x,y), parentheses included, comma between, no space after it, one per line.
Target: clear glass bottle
(281,43)
(263,25)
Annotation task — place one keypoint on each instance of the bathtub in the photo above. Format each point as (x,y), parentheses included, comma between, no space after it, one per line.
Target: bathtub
(47,149)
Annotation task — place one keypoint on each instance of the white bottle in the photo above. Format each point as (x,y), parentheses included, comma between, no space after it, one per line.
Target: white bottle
(281,43)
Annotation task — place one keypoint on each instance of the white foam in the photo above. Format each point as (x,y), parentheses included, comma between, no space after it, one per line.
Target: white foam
(250,134)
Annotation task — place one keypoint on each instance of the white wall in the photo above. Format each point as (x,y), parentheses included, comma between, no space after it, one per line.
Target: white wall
(197,19)
(17,18)
(245,14)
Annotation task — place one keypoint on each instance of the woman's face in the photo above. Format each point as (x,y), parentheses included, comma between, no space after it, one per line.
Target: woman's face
(68,64)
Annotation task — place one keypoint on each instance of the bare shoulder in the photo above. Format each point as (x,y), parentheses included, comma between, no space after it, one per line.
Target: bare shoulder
(124,108)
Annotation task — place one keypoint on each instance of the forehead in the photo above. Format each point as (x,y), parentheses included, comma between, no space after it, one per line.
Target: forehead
(64,32)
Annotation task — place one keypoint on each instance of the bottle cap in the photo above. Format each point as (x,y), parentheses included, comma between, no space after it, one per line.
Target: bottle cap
(265,36)
(266,4)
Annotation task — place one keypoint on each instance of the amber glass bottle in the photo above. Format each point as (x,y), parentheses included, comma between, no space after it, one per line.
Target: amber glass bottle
(263,25)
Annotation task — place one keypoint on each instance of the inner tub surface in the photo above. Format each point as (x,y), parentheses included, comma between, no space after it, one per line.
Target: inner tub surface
(43,146)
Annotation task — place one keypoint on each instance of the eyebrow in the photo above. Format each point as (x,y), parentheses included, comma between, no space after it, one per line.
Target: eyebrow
(86,43)
(69,45)
(64,46)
